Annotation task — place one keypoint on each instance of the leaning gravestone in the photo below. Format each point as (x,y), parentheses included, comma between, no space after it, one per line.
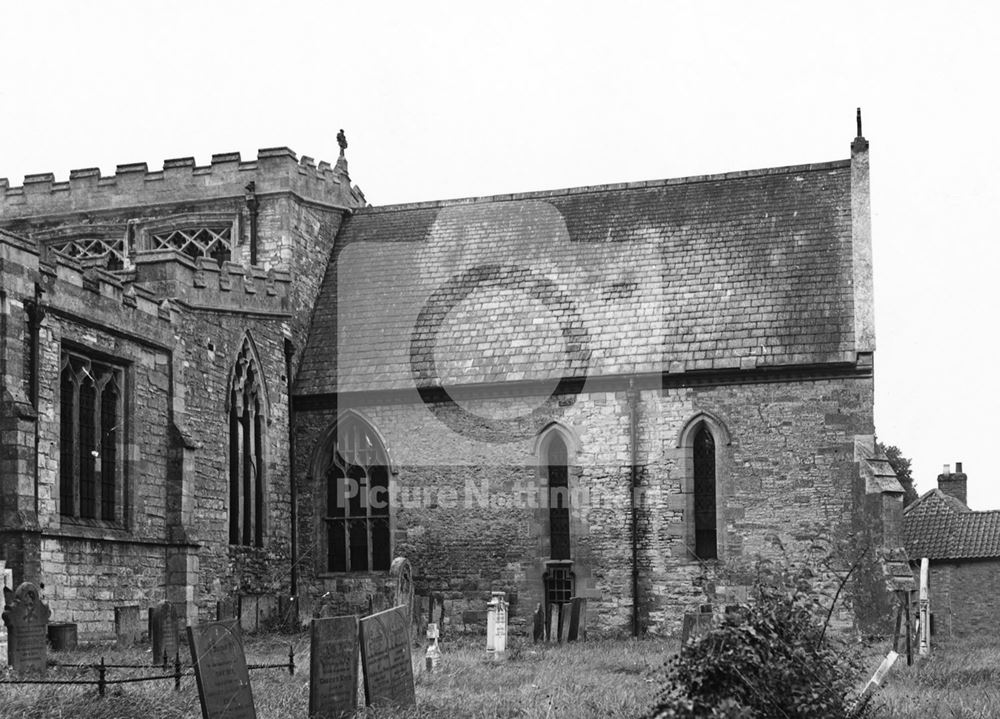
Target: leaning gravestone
(26,618)
(163,631)
(401,574)
(333,668)
(577,619)
(127,629)
(385,658)
(220,668)
(538,624)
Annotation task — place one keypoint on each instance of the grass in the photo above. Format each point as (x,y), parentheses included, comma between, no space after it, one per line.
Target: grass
(592,679)
(958,681)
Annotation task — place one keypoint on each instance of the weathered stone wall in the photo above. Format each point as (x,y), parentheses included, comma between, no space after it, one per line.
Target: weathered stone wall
(176,326)
(462,509)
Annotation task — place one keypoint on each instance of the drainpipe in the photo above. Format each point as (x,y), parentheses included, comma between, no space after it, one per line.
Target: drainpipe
(632,397)
(292,490)
(252,204)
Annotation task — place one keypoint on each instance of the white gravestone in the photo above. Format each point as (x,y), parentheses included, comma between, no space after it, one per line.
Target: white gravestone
(496,625)
(433,655)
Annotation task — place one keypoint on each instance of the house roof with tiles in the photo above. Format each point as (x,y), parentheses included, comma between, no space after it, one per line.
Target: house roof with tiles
(939,526)
(724,272)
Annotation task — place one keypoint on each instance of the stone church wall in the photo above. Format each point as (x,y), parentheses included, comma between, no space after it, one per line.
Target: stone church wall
(176,326)
(462,509)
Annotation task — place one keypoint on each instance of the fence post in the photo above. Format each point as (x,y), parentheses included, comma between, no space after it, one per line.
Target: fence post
(101,680)
(166,660)
(291,660)
(177,671)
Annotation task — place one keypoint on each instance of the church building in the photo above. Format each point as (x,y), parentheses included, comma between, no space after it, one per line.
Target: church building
(242,379)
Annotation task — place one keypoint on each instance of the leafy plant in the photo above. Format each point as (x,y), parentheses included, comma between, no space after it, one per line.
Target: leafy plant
(768,658)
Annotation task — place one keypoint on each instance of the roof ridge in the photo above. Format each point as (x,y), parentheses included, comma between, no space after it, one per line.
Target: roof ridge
(587,189)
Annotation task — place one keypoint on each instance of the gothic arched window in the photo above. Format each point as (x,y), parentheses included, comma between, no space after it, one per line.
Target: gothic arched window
(703,455)
(247,405)
(357,500)
(558,476)
(90,431)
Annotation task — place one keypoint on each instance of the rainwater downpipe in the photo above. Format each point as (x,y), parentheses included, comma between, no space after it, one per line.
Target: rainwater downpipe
(292,489)
(633,412)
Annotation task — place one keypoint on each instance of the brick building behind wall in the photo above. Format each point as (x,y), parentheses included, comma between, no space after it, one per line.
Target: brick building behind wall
(963,547)
(499,376)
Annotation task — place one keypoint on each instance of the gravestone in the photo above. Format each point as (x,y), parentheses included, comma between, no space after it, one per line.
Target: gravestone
(256,610)
(557,621)
(220,668)
(496,625)
(577,619)
(333,668)
(163,631)
(695,625)
(433,656)
(128,631)
(225,609)
(538,628)
(26,618)
(401,576)
(385,658)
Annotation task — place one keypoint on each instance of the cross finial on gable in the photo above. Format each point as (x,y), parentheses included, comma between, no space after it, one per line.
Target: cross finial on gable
(860,144)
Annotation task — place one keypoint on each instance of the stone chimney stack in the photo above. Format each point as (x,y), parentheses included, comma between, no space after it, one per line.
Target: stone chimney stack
(954,483)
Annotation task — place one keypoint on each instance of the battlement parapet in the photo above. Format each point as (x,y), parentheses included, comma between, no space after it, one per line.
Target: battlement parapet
(205,284)
(276,170)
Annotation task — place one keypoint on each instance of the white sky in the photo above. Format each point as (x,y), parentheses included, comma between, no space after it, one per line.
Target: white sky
(443,100)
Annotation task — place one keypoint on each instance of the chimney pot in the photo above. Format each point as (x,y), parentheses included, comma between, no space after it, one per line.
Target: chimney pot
(954,485)
(958,467)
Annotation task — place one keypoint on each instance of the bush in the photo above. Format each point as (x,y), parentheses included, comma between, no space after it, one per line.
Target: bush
(768,658)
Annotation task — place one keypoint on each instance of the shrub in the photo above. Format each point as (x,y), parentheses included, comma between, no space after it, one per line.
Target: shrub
(770,657)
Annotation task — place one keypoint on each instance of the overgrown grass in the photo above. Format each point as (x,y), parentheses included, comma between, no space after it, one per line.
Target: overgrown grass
(592,679)
(960,680)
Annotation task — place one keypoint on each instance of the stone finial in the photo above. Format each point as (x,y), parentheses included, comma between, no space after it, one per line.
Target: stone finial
(342,141)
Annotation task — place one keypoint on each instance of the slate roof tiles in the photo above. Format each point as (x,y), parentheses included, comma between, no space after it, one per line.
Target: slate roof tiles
(739,270)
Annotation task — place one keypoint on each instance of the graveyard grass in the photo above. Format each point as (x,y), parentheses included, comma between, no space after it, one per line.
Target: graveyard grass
(591,679)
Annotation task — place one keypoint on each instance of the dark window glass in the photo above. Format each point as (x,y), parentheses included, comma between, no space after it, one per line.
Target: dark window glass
(357,502)
(90,436)
(706,546)
(558,475)
(246,451)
